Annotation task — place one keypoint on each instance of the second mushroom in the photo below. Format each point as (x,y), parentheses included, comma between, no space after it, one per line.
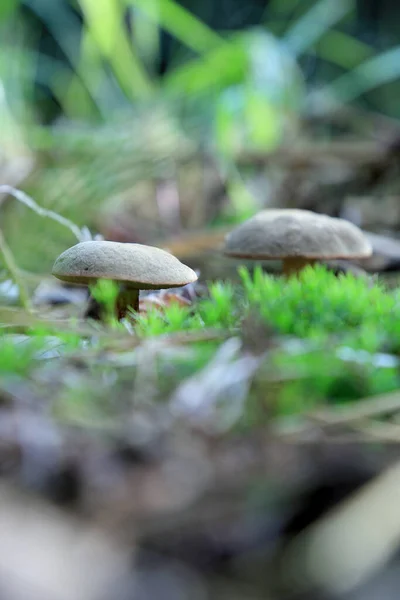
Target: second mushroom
(297,237)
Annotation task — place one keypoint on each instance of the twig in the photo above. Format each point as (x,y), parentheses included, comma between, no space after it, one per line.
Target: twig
(315,154)
(360,410)
(358,413)
(6,252)
(192,337)
(382,432)
(43,212)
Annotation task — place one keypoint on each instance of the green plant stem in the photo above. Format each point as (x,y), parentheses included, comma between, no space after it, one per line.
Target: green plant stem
(15,276)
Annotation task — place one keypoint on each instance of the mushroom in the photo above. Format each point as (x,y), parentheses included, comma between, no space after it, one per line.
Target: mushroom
(134,266)
(297,237)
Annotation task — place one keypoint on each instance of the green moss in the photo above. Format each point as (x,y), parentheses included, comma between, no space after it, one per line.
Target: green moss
(314,306)
(318,302)
(330,336)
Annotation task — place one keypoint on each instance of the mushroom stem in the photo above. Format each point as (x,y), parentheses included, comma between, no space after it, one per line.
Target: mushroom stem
(293,265)
(127,298)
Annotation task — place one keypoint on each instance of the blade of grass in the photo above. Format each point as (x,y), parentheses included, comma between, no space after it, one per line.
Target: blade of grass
(315,23)
(218,68)
(146,35)
(372,73)
(63,25)
(105,22)
(65,28)
(90,68)
(180,23)
(343,50)
(54,74)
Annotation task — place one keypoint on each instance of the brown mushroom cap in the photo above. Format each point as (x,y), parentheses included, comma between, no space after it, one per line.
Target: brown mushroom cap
(283,233)
(138,266)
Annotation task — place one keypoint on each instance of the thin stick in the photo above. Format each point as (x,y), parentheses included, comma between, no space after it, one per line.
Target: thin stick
(374,406)
(43,212)
(383,432)
(324,419)
(13,270)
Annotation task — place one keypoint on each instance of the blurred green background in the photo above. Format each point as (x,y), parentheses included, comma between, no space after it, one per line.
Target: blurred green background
(104,103)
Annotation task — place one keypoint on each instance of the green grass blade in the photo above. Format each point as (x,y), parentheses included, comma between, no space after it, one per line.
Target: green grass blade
(315,23)
(222,66)
(104,20)
(370,74)
(343,50)
(145,35)
(180,23)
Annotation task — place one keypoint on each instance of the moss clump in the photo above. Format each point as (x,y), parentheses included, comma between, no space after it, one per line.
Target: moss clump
(313,306)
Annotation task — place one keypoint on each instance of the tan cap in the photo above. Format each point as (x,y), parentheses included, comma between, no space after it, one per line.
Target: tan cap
(138,266)
(296,234)
(279,233)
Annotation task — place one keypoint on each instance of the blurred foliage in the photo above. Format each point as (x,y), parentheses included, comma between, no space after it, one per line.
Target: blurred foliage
(113,107)
(97,96)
